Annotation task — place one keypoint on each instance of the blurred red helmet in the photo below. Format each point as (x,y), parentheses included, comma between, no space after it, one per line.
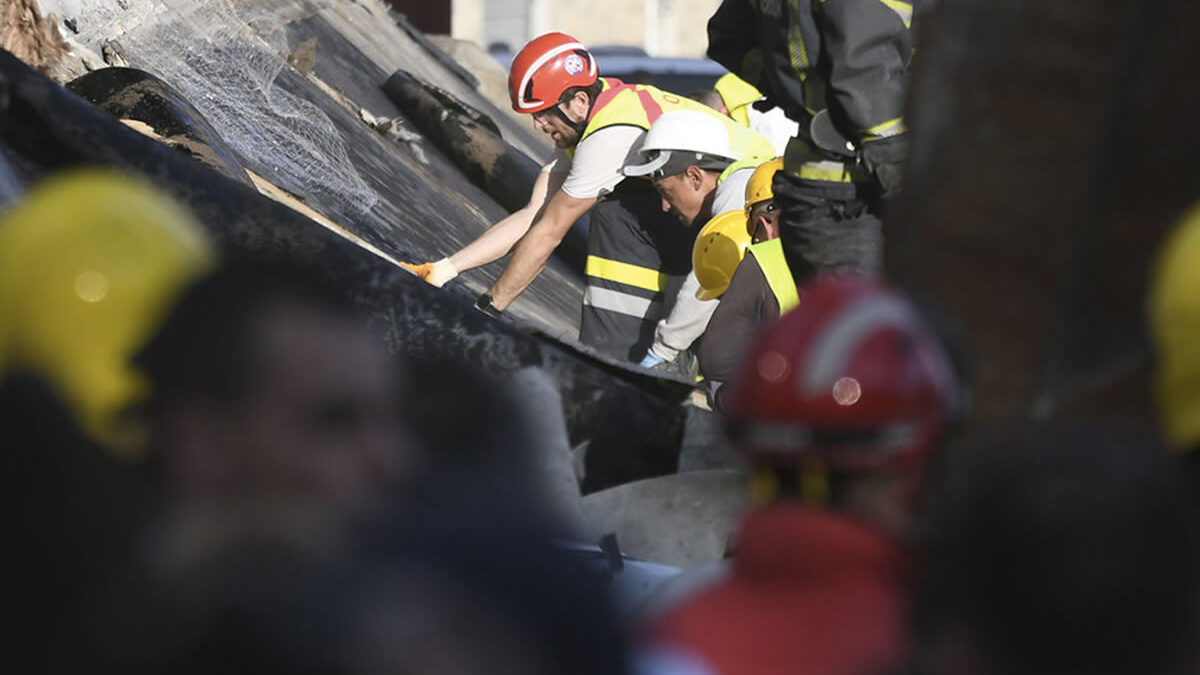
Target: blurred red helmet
(851,379)
(545,68)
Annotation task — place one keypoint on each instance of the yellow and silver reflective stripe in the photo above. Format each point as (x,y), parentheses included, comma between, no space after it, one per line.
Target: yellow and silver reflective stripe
(796,50)
(831,172)
(626,273)
(903,9)
(803,161)
(616,301)
(892,127)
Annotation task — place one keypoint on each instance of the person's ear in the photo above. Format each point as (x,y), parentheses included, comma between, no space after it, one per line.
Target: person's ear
(695,176)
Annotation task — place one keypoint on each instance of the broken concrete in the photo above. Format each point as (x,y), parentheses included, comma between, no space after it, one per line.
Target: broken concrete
(685,520)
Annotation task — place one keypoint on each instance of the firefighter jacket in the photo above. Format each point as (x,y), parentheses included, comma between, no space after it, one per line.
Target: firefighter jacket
(832,65)
(810,592)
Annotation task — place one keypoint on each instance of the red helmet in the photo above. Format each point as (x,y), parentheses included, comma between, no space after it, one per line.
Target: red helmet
(851,379)
(545,68)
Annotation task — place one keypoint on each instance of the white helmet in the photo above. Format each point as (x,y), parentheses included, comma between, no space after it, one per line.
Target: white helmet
(683,138)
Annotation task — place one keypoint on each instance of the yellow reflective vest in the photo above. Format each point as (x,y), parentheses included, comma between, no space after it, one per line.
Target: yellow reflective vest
(769,255)
(639,105)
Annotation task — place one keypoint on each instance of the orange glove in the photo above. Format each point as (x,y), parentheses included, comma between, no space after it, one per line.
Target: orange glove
(436,273)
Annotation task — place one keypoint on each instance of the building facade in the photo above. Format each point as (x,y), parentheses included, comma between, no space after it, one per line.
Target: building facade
(661,27)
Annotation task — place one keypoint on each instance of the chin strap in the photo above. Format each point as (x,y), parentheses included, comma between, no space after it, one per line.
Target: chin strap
(577,126)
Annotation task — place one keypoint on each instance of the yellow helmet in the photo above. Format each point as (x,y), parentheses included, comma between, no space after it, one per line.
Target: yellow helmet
(90,262)
(737,94)
(1175,328)
(718,251)
(758,188)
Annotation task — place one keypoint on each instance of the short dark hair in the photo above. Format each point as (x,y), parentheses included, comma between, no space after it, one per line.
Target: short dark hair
(592,90)
(709,97)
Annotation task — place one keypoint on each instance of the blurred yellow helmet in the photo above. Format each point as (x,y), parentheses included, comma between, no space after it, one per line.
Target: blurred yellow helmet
(718,251)
(90,262)
(738,95)
(1175,328)
(758,188)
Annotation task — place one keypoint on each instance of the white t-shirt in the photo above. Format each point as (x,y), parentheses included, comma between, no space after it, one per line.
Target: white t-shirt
(598,161)
(731,192)
(775,125)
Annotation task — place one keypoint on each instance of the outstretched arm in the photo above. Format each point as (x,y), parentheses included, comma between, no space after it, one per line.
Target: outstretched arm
(535,247)
(499,239)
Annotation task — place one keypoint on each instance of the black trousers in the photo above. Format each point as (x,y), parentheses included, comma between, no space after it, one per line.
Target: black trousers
(828,226)
(636,256)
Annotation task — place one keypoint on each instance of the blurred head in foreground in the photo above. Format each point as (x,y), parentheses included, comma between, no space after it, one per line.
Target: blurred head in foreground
(268,384)
(1058,549)
(841,401)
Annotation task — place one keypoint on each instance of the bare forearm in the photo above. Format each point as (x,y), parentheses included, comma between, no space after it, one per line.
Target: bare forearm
(526,264)
(500,238)
(535,248)
(495,243)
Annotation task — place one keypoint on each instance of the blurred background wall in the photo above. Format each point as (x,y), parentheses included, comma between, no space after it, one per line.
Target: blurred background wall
(661,27)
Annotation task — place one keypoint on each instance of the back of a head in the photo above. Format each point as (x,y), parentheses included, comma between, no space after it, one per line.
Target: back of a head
(850,381)
(1059,549)
(711,98)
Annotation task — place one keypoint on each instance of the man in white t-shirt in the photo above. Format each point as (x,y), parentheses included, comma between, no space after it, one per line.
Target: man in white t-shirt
(635,249)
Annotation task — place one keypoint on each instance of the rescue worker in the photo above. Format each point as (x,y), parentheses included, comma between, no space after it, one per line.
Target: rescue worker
(837,407)
(839,68)
(700,164)
(761,288)
(633,247)
(738,99)
(90,260)
(1174,306)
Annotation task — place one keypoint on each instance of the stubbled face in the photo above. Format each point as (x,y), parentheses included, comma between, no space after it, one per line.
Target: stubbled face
(551,123)
(688,195)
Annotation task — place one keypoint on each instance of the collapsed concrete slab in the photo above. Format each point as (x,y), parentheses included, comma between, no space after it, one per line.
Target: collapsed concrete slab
(631,420)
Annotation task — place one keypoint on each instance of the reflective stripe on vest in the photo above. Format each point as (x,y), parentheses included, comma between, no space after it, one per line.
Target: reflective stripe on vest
(751,163)
(626,273)
(769,255)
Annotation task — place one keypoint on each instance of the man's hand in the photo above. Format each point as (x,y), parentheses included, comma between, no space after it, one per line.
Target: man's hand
(436,273)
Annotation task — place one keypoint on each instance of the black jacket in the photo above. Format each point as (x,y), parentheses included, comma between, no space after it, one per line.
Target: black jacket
(848,56)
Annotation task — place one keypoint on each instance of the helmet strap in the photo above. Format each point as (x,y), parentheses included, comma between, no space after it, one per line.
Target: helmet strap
(577,126)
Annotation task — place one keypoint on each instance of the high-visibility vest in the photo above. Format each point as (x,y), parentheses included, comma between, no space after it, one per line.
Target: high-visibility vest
(738,96)
(639,105)
(769,255)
